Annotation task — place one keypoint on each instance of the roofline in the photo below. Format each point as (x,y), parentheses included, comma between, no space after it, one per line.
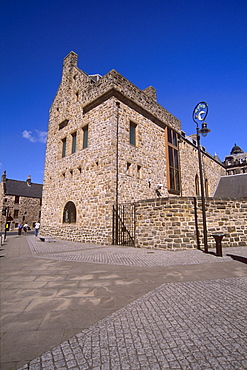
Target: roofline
(125,100)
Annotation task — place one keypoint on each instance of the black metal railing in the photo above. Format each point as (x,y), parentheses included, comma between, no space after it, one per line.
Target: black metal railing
(123,228)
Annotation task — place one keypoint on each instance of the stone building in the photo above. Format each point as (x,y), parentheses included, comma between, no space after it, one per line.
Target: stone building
(21,202)
(236,161)
(110,143)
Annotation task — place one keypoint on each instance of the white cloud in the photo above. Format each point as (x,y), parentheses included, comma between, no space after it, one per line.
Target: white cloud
(36,136)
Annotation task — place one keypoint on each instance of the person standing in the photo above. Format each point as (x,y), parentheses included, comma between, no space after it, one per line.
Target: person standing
(19,228)
(36,228)
(25,228)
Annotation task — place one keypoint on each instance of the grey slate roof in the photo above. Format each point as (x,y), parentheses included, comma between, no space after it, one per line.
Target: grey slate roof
(234,186)
(15,187)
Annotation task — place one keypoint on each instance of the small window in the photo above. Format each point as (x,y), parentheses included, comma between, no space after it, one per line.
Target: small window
(197,185)
(17,199)
(85,137)
(73,150)
(69,213)
(128,169)
(63,147)
(16,213)
(139,172)
(63,124)
(206,188)
(133,133)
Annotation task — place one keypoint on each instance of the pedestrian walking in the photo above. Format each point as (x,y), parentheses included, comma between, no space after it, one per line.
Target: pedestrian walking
(20,226)
(36,228)
(25,228)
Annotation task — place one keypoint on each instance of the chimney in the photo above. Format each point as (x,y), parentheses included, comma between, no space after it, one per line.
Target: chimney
(28,181)
(4,177)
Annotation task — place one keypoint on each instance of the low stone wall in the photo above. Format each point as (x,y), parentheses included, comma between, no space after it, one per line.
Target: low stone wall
(175,223)
(96,235)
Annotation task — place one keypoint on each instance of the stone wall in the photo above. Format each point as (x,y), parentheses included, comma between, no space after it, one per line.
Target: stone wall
(170,223)
(212,170)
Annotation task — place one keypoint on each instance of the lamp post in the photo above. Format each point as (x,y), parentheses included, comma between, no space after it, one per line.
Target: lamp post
(6,222)
(199,115)
(117,172)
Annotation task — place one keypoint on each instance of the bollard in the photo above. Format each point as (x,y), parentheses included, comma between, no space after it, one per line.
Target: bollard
(218,238)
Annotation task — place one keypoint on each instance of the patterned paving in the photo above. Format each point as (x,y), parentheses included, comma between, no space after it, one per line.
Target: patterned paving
(185,325)
(117,255)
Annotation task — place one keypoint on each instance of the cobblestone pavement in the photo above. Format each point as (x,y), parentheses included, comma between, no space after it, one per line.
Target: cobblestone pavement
(192,325)
(181,325)
(128,256)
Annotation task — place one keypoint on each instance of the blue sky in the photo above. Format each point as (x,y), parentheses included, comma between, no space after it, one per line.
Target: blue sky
(190,51)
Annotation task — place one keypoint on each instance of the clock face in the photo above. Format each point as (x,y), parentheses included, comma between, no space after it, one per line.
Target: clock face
(200,112)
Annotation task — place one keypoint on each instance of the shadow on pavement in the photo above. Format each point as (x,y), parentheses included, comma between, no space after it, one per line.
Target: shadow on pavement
(238,258)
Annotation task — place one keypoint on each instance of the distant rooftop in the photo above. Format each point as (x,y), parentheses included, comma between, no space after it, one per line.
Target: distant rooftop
(21,188)
(233,186)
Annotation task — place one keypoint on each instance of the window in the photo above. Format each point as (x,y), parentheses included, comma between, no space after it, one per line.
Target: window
(139,172)
(197,185)
(63,147)
(206,188)
(73,150)
(16,213)
(173,162)
(133,133)
(85,137)
(128,169)
(17,199)
(63,124)
(69,213)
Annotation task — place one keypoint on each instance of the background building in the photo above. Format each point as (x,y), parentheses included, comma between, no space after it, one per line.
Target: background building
(236,162)
(111,143)
(21,202)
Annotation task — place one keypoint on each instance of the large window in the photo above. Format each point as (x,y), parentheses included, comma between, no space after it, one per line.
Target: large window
(173,162)
(133,133)
(85,137)
(69,213)
(73,150)
(64,147)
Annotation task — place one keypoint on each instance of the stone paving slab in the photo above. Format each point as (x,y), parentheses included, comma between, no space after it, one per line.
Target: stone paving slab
(191,325)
